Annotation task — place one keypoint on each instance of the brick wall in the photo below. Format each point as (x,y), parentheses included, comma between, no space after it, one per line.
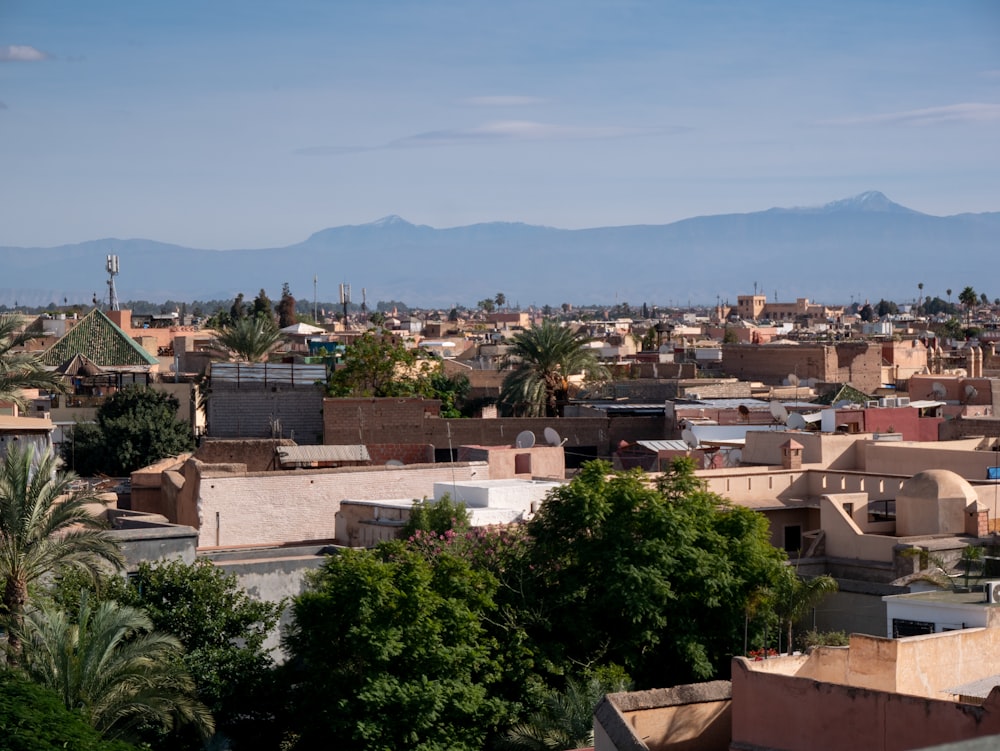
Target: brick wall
(856,363)
(415,421)
(408,453)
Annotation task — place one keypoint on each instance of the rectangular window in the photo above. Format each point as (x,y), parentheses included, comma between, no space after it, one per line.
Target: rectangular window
(793,538)
(902,627)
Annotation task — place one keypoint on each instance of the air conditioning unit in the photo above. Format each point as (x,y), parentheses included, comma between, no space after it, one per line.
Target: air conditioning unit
(903,401)
(992,591)
(871,403)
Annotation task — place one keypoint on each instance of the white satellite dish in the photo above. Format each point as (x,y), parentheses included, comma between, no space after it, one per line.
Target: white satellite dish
(734,458)
(690,438)
(394,463)
(552,437)
(938,389)
(778,412)
(971,392)
(793,379)
(796,421)
(525,439)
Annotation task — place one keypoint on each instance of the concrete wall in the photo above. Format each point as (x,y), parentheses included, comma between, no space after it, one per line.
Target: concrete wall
(823,450)
(507,462)
(777,711)
(302,505)
(909,459)
(696,716)
(257,454)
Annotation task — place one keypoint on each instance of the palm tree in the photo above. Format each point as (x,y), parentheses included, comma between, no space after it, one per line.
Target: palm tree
(20,369)
(565,720)
(44,526)
(500,300)
(794,597)
(920,296)
(249,339)
(111,666)
(544,358)
(968,298)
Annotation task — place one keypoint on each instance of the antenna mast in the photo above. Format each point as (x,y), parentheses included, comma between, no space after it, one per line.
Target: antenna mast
(112,267)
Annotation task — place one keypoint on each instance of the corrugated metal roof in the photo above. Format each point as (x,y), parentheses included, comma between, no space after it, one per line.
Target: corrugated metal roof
(663,445)
(310,454)
(267,372)
(979,689)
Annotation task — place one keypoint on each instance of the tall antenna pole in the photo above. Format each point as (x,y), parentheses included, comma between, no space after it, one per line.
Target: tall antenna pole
(112,267)
(315,309)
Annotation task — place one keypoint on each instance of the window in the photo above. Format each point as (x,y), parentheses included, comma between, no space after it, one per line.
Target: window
(882,511)
(793,538)
(522,464)
(902,627)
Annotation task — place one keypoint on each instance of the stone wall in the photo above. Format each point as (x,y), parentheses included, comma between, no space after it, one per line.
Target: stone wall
(856,363)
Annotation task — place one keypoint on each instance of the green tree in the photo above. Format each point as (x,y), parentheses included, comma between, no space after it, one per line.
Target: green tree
(110,664)
(500,299)
(223,631)
(33,718)
(376,364)
(436,517)
(543,358)
(135,427)
(21,369)
(389,652)
(249,339)
(566,717)
(45,526)
(684,566)
(238,310)
(262,306)
(794,597)
(286,308)
(486,304)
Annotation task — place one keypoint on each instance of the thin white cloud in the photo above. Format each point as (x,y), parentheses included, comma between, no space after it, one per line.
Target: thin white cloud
(990,74)
(503,101)
(519,130)
(3,106)
(21,53)
(971,112)
(500,131)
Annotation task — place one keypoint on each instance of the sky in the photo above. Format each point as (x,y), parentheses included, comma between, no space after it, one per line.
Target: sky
(254,124)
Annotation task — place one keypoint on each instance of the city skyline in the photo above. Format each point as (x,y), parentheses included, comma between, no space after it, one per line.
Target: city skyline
(249,126)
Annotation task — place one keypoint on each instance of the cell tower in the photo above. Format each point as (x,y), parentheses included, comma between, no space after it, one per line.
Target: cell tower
(113,303)
(345,298)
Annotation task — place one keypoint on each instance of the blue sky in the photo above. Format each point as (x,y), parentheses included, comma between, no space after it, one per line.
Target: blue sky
(248,124)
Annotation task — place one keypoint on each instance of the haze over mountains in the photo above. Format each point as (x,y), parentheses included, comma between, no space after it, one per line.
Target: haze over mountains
(861,247)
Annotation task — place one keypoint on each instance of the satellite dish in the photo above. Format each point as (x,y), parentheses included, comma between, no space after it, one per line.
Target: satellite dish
(734,458)
(778,412)
(744,412)
(552,437)
(525,439)
(971,392)
(690,438)
(796,422)
(793,379)
(938,389)
(394,463)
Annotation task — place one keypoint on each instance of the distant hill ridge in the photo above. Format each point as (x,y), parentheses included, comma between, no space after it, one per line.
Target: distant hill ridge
(864,246)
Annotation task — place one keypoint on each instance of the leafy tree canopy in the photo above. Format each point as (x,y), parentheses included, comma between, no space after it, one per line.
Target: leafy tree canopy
(33,718)
(223,630)
(655,579)
(388,651)
(135,427)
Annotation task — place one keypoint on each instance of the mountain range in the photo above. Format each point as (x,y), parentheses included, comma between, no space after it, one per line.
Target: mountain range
(863,247)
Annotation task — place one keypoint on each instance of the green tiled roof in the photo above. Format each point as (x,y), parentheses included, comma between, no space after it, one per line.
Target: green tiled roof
(98,338)
(844,392)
